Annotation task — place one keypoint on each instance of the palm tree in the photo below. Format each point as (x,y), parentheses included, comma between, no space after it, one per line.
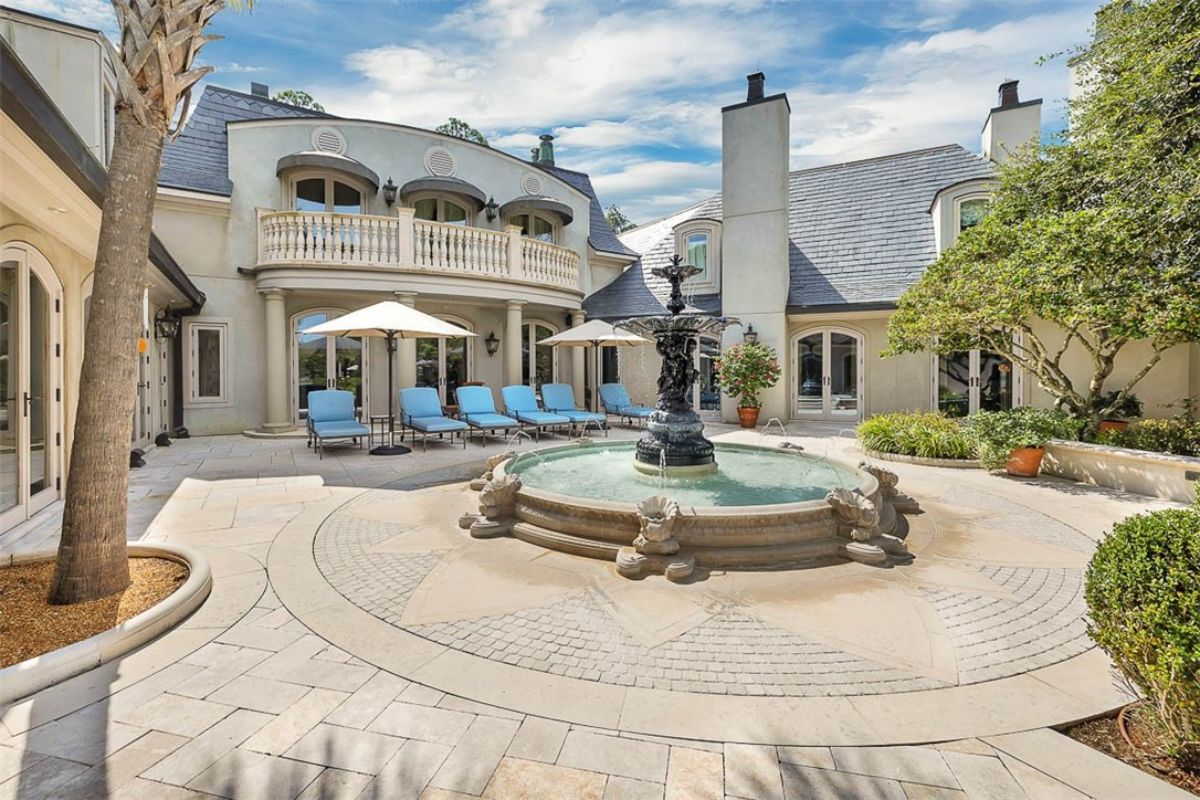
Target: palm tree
(155,75)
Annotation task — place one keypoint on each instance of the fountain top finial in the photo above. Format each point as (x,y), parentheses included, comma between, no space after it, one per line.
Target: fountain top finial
(676,273)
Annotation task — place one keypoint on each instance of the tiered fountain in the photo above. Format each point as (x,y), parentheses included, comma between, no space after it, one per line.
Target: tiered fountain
(665,506)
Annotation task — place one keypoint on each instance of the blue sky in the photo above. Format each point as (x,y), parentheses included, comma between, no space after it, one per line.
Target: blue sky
(633,90)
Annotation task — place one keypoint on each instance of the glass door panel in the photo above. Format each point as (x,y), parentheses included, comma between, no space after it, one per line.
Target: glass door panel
(429,364)
(10,411)
(348,366)
(456,371)
(810,375)
(312,360)
(843,376)
(954,384)
(995,382)
(37,406)
(544,356)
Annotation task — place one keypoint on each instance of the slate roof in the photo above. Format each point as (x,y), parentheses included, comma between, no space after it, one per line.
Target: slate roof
(859,234)
(199,159)
(600,236)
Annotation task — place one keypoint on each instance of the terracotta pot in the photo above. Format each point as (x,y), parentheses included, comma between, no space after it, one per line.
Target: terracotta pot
(1113,425)
(1025,462)
(748,415)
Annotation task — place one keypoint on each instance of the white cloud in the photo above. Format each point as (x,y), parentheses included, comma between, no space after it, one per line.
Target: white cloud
(235,67)
(88,13)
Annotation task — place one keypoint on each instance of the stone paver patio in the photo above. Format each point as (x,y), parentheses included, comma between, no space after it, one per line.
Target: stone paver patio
(358,644)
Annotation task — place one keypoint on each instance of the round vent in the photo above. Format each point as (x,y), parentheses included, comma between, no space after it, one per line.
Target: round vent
(531,184)
(439,162)
(329,140)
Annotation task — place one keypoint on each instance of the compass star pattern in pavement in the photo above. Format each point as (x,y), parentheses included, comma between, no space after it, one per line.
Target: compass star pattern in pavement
(995,590)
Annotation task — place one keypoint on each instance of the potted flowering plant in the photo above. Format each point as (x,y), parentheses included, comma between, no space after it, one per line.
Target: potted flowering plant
(744,371)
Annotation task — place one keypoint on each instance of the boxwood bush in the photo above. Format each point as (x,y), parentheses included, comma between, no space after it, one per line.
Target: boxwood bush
(916,433)
(1143,594)
(1179,436)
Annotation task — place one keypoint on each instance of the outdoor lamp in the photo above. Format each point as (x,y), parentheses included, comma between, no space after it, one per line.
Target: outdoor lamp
(490,209)
(751,335)
(166,324)
(491,343)
(389,192)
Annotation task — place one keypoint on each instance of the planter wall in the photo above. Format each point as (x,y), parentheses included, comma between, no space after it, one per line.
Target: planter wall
(1151,474)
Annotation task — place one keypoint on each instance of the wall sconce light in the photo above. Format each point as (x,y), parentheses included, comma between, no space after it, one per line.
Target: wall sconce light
(751,335)
(166,324)
(389,192)
(491,343)
(491,209)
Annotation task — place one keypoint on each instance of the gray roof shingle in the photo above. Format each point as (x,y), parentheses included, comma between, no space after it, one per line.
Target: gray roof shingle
(859,234)
(199,159)
(600,235)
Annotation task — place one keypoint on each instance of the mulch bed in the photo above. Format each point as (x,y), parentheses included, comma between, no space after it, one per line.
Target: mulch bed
(29,626)
(1146,752)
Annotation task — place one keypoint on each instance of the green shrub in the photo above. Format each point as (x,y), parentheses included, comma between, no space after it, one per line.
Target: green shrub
(916,433)
(1178,435)
(998,433)
(1143,594)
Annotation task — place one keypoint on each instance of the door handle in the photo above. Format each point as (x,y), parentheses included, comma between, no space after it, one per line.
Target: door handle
(29,400)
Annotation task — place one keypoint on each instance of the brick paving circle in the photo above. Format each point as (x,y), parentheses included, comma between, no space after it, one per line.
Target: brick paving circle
(1037,622)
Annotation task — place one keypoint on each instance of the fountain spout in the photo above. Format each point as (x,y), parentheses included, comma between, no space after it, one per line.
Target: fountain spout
(675,433)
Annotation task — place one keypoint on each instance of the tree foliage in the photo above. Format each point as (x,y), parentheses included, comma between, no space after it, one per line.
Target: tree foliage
(617,219)
(296,97)
(463,130)
(1097,232)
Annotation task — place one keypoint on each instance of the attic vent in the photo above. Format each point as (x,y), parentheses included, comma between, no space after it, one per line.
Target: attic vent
(531,184)
(329,140)
(439,162)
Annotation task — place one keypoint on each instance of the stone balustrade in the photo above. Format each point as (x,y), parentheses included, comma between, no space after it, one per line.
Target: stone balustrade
(302,238)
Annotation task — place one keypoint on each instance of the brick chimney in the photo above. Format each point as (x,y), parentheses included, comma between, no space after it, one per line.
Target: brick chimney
(1010,124)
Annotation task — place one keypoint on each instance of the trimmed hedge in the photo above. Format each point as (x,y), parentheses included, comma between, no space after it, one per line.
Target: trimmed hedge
(1143,593)
(1179,436)
(926,434)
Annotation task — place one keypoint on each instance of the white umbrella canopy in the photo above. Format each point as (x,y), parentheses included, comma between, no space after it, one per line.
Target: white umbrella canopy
(389,319)
(595,332)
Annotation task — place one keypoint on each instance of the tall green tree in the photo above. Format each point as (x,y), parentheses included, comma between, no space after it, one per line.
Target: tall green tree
(1097,232)
(617,219)
(296,97)
(155,74)
(463,130)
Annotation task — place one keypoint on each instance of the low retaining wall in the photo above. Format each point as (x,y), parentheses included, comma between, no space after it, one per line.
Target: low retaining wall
(1152,474)
(900,458)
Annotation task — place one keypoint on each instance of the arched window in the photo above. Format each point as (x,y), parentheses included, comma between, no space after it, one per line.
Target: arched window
(327,194)
(535,226)
(971,212)
(698,242)
(440,209)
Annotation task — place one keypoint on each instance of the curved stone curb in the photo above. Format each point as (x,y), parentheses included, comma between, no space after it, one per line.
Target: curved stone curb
(950,463)
(1069,691)
(35,674)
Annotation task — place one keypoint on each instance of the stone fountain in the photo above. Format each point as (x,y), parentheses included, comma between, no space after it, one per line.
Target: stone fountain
(674,443)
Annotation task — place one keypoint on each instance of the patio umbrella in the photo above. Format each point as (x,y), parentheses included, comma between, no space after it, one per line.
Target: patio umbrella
(392,321)
(595,333)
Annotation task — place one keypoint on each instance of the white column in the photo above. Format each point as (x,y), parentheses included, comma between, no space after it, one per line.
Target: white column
(279,417)
(512,343)
(578,361)
(406,352)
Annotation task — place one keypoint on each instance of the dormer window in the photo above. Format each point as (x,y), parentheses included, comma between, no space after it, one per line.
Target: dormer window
(698,242)
(326,194)
(534,226)
(439,209)
(971,212)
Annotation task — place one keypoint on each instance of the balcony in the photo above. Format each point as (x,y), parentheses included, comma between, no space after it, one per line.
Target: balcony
(298,238)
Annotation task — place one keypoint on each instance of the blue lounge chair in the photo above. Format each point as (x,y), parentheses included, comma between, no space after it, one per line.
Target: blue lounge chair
(559,398)
(331,417)
(520,402)
(477,408)
(421,410)
(616,401)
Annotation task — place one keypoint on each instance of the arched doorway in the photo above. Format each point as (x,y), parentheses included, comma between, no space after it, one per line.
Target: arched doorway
(30,383)
(543,366)
(446,364)
(827,380)
(325,362)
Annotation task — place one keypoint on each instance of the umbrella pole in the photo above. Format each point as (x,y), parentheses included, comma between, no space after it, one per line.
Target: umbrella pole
(391,448)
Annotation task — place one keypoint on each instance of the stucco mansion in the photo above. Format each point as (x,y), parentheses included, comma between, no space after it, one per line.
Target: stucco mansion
(271,218)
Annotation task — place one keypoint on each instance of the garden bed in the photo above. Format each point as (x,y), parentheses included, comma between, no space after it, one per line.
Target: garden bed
(952,463)
(1141,750)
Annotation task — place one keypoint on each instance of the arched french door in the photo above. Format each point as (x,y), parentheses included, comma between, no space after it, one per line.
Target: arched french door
(706,393)
(827,376)
(30,383)
(974,380)
(445,364)
(543,366)
(325,362)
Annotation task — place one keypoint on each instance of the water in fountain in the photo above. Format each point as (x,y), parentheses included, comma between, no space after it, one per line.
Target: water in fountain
(675,433)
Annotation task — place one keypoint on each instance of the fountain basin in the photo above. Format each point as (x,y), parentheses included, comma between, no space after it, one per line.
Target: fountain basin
(764,509)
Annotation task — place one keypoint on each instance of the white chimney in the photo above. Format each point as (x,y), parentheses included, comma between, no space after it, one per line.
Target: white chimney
(1010,124)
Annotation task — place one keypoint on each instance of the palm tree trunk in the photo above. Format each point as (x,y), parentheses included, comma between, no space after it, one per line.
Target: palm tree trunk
(92,559)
